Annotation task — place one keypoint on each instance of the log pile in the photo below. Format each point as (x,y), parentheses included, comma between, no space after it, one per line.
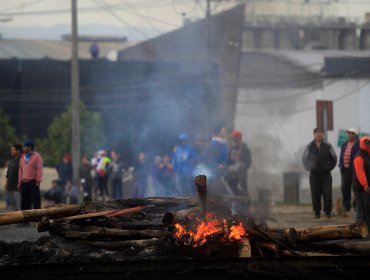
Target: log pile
(150,224)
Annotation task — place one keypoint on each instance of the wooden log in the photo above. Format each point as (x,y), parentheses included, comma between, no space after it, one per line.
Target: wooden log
(119,245)
(245,250)
(201,188)
(111,213)
(286,253)
(181,216)
(331,232)
(36,214)
(269,246)
(95,233)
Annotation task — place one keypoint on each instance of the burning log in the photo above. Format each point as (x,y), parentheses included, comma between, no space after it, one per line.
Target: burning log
(201,188)
(331,232)
(35,215)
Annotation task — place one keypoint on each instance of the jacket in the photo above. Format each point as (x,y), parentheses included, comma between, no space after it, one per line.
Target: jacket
(182,160)
(242,153)
(12,174)
(354,151)
(319,161)
(30,168)
(362,167)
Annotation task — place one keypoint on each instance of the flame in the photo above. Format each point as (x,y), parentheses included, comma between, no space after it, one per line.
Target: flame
(207,229)
(237,232)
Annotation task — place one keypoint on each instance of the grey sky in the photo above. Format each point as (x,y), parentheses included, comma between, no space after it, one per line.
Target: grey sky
(140,19)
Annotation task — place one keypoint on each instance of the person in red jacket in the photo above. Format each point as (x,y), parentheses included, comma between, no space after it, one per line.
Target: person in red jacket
(361,181)
(29,177)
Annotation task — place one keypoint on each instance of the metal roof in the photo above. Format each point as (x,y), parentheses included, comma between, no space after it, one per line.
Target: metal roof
(53,49)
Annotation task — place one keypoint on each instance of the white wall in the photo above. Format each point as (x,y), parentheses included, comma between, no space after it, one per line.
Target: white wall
(278,128)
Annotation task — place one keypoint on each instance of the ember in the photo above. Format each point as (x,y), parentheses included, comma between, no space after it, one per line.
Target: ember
(211,228)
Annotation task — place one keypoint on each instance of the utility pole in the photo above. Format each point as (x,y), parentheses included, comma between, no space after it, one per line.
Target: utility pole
(75,98)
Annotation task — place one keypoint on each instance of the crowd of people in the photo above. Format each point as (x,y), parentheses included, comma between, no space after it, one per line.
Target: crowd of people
(224,161)
(102,177)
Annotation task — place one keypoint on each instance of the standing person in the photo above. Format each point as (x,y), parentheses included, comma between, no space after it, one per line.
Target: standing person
(85,176)
(182,161)
(65,170)
(155,173)
(11,184)
(116,169)
(320,159)
(347,154)
(29,177)
(361,181)
(102,174)
(216,159)
(199,150)
(141,173)
(167,177)
(240,160)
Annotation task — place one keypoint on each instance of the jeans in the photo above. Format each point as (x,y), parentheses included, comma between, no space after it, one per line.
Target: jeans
(347,176)
(30,196)
(362,207)
(116,188)
(321,186)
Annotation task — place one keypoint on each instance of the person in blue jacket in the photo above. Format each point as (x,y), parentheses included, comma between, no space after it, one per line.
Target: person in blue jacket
(182,161)
(217,157)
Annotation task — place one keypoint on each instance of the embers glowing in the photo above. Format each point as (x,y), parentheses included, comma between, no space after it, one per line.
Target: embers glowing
(211,228)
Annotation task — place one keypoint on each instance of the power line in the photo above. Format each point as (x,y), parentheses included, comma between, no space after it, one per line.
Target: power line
(108,9)
(22,6)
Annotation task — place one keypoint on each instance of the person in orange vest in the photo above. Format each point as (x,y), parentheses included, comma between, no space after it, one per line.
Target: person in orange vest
(361,181)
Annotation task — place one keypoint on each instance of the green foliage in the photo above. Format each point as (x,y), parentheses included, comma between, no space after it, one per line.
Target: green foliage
(8,137)
(59,140)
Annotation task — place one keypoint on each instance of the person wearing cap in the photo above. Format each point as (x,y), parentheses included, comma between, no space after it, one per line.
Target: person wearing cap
(240,161)
(182,161)
(29,177)
(102,169)
(361,181)
(319,158)
(347,154)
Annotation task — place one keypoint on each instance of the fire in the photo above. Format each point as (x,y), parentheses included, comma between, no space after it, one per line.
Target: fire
(210,228)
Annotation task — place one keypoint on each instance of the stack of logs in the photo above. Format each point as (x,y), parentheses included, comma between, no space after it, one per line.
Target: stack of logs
(148,223)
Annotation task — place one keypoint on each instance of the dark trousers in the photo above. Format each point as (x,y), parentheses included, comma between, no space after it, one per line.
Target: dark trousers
(103,185)
(321,186)
(30,196)
(347,176)
(362,207)
(117,188)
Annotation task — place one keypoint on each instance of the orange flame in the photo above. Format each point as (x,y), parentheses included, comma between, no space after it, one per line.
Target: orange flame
(209,228)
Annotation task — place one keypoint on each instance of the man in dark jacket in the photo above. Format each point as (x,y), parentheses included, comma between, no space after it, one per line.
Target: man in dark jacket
(348,151)
(12,177)
(240,161)
(361,181)
(320,159)
(86,178)
(64,169)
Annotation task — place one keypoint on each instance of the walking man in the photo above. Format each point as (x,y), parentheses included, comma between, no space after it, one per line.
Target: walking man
(320,159)
(11,184)
(29,177)
(348,151)
(361,182)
